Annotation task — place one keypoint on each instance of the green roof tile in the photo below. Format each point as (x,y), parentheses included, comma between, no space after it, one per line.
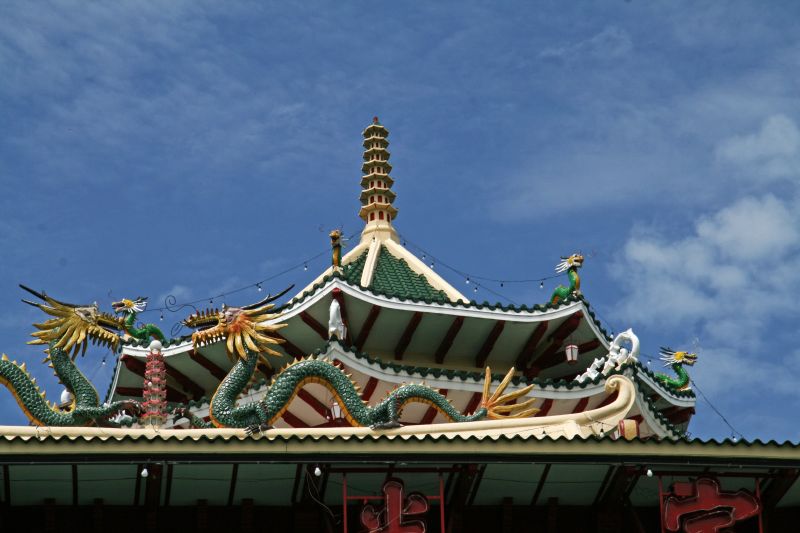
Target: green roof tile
(394,277)
(352,271)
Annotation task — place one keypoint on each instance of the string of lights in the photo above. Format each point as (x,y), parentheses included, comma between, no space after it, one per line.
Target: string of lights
(477,282)
(471,279)
(171,304)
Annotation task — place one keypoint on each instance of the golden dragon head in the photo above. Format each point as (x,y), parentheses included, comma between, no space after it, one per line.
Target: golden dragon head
(130,306)
(671,357)
(73,326)
(575,260)
(242,328)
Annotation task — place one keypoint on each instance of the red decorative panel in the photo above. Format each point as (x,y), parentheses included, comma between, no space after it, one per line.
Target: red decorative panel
(400,513)
(701,507)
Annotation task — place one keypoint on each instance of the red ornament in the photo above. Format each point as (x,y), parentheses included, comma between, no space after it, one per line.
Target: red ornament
(393,517)
(704,508)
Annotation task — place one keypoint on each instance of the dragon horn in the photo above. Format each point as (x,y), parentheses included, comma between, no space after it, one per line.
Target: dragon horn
(45,297)
(269,298)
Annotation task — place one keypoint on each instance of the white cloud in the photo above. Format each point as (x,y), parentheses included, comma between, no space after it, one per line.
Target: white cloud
(610,43)
(773,152)
(735,273)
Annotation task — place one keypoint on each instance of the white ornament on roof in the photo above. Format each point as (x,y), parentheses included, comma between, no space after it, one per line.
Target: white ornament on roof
(616,357)
(335,323)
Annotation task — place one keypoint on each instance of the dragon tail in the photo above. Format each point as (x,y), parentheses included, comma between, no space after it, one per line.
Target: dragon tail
(30,398)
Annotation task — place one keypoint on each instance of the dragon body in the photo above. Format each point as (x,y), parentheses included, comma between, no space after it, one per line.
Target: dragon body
(570,265)
(70,330)
(676,360)
(250,322)
(130,308)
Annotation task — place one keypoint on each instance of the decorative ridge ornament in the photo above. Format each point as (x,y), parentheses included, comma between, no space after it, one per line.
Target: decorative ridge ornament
(676,360)
(131,308)
(570,265)
(616,357)
(246,335)
(71,329)
(336,248)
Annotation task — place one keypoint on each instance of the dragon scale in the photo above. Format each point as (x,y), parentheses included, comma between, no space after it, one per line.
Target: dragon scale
(679,382)
(85,407)
(224,413)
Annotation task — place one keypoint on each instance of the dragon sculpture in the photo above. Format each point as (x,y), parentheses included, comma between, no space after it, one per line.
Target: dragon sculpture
(676,360)
(69,331)
(248,334)
(130,308)
(570,265)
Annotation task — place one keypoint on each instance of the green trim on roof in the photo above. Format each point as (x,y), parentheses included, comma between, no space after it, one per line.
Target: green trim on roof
(472,304)
(465,375)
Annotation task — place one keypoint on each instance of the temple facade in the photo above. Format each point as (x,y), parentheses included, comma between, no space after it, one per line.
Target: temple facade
(379,398)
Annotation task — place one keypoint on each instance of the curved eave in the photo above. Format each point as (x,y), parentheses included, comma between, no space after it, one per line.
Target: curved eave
(470,309)
(366,193)
(373,176)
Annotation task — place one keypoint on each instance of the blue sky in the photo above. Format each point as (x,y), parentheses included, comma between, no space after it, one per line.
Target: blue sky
(191,147)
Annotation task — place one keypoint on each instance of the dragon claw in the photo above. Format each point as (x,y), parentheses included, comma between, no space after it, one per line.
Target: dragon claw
(391,424)
(253,428)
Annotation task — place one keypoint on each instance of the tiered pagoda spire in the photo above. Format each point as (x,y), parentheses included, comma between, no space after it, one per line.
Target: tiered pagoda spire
(379,249)
(376,183)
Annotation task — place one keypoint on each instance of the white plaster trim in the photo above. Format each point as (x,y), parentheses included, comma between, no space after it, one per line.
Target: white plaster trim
(369,265)
(443,309)
(390,376)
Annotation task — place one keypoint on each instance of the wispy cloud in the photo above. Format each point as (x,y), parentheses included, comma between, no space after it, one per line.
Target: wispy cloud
(609,44)
(771,153)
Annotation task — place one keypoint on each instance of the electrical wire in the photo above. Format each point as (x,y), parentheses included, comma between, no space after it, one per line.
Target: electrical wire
(734,431)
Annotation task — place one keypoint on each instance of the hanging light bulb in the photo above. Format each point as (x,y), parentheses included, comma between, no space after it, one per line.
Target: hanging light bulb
(305,266)
(649,473)
(145,473)
(467,282)
(501,283)
(103,362)
(475,289)
(432,264)
(423,257)
(541,284)
(162,316)
(317,471)
(258,286)
(211,301)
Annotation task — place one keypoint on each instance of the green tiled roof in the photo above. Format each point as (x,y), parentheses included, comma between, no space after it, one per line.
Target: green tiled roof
(352,271)
(393,276)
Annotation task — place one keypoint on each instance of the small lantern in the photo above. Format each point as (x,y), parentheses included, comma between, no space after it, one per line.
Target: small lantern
(572,354)
(336,410)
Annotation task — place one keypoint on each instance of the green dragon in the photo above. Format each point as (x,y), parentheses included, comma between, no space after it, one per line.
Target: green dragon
(676,360)
(131,308)
(70,330)
(570,265)
(247,336)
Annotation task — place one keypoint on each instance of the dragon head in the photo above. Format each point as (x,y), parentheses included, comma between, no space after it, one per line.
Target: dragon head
(671,357)
(575,260)
(130,306)
(73,326)
(242,328)
(336,237)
